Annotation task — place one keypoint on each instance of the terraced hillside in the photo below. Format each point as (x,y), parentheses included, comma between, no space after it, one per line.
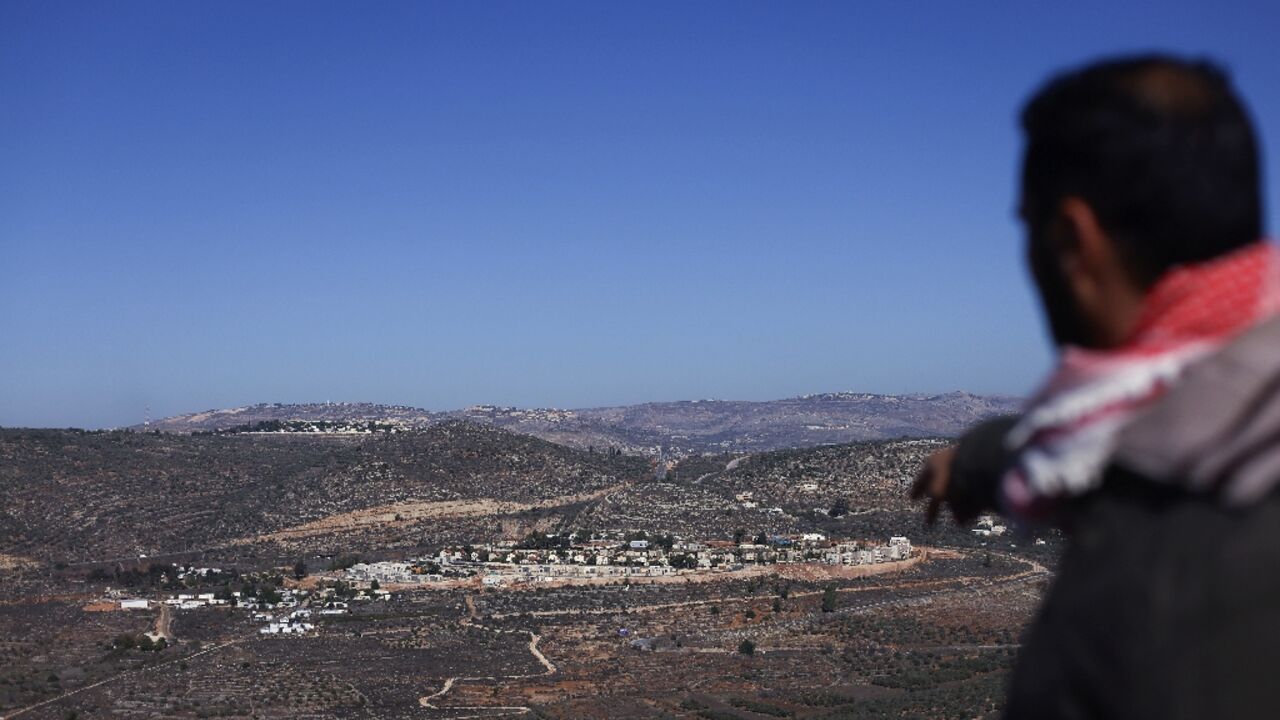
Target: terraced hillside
(76,496)
(854,490)
(864,475)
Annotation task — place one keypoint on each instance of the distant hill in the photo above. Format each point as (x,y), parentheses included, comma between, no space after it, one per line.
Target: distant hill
(679,428)
(212,420)
(93,495)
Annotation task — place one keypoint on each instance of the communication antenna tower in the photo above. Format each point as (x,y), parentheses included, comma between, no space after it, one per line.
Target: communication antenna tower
(146,416)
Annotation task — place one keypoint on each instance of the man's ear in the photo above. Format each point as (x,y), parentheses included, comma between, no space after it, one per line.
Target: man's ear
(1085,251)
(1107,297)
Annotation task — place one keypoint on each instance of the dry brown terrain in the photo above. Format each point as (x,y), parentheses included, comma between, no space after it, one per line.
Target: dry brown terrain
(413,511)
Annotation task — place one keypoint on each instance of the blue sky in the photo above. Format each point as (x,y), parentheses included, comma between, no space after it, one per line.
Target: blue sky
(554,204)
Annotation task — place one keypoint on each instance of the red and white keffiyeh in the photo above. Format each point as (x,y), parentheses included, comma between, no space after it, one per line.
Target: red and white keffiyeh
(1065,439)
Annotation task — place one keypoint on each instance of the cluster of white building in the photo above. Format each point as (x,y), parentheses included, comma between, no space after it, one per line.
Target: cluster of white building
(295,623)
(503,574)
(406,573)
(191,601)
(275,628)
(899,548)
(182,601)
(506,563)
(988,527)
(186,571)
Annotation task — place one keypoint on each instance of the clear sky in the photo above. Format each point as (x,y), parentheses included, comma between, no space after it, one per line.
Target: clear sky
(532,203)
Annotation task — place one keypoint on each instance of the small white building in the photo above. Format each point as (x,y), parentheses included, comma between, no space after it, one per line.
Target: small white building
(279,628)
(899,547)
(135,604)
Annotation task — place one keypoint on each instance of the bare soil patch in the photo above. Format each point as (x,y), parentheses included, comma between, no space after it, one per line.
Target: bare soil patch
(410,512)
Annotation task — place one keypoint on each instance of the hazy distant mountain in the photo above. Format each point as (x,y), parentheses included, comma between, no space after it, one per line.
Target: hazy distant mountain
(684,427)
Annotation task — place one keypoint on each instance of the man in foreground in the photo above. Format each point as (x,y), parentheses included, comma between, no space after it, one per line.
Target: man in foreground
(1155,444)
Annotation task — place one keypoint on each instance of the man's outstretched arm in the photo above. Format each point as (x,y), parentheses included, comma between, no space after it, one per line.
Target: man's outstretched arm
(966,476)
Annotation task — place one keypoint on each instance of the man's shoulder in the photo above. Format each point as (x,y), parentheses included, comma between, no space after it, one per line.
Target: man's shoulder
(1209,432)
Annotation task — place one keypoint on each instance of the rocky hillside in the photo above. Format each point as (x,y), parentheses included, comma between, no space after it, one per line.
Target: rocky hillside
(76,496)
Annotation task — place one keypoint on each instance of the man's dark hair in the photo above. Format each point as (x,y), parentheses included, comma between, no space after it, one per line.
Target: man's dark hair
(1161,148)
